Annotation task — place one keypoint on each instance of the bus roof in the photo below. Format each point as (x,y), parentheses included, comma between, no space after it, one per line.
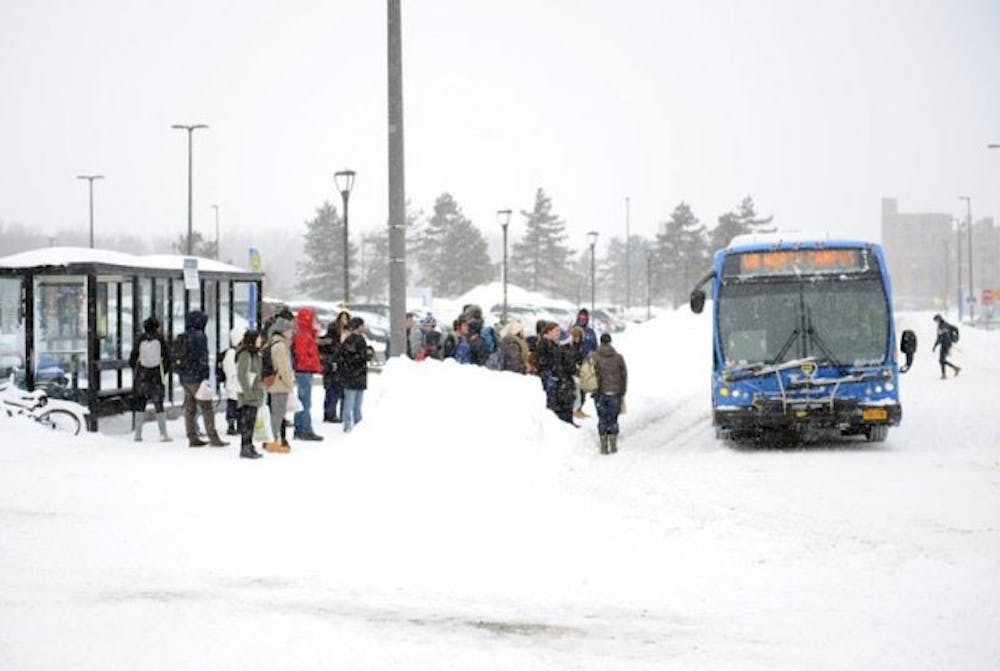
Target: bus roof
(755,242)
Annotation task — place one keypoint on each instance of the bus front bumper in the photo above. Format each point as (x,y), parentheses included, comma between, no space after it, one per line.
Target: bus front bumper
(849,416)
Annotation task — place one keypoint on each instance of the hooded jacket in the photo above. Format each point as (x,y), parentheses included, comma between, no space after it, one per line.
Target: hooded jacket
(589,335)
(304,343)
(194,366)
(612,375)
(352,366)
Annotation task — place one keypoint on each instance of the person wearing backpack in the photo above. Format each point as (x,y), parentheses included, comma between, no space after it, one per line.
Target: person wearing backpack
(192,371)
(947,335)
(230,380)
(150,364)
(250,397)
(612,383)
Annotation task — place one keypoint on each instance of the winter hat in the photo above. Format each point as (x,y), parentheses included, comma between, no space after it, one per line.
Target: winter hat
(282,325)
(937,318)
(428,320)
(605,338)
(355,323)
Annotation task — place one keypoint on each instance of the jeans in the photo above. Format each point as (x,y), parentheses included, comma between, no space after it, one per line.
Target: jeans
(608,407)
(303,418)
(351,412)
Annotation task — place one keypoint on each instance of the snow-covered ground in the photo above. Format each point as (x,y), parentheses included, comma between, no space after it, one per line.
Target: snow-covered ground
(462,526)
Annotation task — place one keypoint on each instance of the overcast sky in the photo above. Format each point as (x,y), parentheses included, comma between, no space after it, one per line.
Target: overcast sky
(815,109)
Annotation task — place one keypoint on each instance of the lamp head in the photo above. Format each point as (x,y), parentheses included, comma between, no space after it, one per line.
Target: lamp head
(592,237)
(344,179)
(503,217)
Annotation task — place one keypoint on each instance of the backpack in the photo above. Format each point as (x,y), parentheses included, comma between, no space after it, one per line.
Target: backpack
(489,337)
(178,351)
(496,360)
(268,373)
(953,332)
(220,370)
(150,354)
(588,375)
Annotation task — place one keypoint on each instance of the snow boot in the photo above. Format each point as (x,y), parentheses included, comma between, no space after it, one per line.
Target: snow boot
(161,422)
(604,443)
(612,443)
(247,452)
(137,419)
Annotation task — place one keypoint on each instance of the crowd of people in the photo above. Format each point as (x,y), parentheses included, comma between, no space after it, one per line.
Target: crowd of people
(269,374)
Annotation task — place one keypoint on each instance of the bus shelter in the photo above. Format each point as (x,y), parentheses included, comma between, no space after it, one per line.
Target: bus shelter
(70,316)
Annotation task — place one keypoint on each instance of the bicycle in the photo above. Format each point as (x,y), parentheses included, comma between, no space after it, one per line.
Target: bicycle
(62,416)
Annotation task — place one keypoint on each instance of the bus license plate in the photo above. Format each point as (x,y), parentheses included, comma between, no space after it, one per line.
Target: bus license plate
(873,414)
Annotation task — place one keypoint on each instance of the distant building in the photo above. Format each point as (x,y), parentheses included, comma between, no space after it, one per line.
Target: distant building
(922,249)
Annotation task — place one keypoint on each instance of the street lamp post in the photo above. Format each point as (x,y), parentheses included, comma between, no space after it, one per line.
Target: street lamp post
(628,256)
(972,291)
(344,179)
(649,285)
(958,266)
(503,217)
(90,179)
(190,131)
(592,237)
(218,250)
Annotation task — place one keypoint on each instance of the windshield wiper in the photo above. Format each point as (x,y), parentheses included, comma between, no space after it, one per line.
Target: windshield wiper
(814,337)
(787,346)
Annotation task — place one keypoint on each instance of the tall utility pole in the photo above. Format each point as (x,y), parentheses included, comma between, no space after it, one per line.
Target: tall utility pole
(91,178)
(958,266)
(628,257)
(218,250)
(397,186)
(190,131)
(972,291)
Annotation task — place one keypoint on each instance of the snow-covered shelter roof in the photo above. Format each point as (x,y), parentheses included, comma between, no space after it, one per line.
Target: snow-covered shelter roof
(105,260)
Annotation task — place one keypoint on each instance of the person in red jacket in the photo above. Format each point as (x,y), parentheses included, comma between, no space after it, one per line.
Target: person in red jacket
(307,363)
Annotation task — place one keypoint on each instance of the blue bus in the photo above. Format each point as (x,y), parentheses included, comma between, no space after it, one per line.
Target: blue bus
(803,339)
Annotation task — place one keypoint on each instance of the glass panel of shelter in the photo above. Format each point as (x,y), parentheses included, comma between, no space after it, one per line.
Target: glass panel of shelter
(11,329)
(60,330)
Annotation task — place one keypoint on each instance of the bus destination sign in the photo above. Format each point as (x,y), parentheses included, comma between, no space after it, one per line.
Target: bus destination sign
(804,261)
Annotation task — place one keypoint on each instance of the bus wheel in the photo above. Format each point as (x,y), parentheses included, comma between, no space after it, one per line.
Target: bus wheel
(877,433)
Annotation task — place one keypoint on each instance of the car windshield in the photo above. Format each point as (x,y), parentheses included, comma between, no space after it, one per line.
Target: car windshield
(838,322)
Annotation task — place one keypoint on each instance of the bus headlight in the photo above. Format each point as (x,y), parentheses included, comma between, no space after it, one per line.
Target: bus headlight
(724,391)
(889,386)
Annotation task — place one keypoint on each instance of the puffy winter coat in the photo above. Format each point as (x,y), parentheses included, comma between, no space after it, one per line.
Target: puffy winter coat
(304,343)
(229,363)
(589,337)
(515,354)
(612,375)
(248,369)
(194,366)
(352,364)
(284,383)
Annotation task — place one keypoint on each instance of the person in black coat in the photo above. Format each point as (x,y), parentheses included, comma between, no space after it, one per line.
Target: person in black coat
(329,347)
(193,370)
(556,367)
(352,367)
(150,363)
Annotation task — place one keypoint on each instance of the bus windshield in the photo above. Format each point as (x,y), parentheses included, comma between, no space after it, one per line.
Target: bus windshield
(770,322)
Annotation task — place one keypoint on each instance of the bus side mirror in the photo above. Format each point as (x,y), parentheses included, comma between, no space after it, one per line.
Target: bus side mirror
(908,345)
(697,301)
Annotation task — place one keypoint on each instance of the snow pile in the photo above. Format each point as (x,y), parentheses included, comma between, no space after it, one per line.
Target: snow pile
(461,525)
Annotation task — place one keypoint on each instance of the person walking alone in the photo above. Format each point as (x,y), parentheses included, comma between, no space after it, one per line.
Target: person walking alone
(251,390)
(946,337)
(612,383)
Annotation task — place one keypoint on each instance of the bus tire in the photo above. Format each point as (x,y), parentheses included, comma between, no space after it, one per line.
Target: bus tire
(877,433)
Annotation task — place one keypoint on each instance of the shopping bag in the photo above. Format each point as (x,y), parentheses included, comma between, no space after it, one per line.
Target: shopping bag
(205,391)
(622,410)
(262,426)
(294,405)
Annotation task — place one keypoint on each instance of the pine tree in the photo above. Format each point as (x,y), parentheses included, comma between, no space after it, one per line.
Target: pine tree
(200,246)
(451,251)
(540,260)
(321,275)
(611,273)
(373,284)
(742,222)
(681,254)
